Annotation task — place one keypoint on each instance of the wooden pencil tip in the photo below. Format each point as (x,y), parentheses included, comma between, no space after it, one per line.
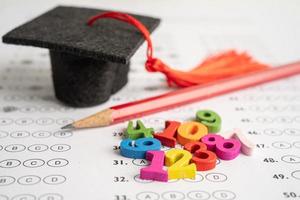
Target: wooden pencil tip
(69,126)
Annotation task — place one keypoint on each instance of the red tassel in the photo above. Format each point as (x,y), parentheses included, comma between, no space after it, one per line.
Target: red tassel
(222,66)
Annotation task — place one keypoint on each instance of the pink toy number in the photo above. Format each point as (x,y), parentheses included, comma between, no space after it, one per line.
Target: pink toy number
(225,149)
(155,170)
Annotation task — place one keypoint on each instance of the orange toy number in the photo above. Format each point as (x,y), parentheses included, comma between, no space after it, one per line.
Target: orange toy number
(190,131)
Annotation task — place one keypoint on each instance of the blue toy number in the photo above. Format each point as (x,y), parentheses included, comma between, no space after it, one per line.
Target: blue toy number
(138,148)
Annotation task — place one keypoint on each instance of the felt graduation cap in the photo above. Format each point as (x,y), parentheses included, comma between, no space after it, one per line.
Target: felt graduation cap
(88,63)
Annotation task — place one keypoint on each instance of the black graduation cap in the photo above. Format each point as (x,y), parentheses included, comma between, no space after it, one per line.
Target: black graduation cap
(88,63)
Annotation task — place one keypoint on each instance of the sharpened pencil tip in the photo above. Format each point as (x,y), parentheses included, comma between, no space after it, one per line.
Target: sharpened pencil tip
(69,126)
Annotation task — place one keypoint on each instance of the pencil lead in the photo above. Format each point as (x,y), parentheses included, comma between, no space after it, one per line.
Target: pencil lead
(69,126)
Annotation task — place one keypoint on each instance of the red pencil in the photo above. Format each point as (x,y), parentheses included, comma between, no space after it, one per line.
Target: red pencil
(183,96)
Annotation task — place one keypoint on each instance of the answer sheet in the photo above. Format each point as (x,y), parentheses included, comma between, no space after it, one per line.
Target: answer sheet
(39,161)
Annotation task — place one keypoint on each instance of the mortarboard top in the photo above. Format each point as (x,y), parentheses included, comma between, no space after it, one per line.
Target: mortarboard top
(88,63)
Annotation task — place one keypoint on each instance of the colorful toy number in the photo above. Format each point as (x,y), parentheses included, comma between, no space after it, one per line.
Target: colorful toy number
(167,137)
(204,159)
(178,162)
(190,131)
(210,119)
(225,149)
(155,170)
(140,131)
(138,148)
(247,146)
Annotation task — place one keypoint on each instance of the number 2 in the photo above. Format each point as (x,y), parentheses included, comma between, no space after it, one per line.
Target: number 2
(178,162)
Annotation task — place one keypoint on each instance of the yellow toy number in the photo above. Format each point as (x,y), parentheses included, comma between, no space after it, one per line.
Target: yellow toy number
(178,162)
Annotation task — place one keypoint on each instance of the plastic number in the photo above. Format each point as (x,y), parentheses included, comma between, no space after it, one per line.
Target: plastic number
(140,131)
(190,131)
(203,158)
(167,137)
(225,149)
(138,148)
(178,161)
(247,146)
(155,170)
(210,119)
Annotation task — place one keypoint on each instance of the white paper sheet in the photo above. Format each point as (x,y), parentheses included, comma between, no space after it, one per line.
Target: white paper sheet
(38,161)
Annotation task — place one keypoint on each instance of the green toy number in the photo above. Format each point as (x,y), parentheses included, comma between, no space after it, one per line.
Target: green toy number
(210,119)
(140,131)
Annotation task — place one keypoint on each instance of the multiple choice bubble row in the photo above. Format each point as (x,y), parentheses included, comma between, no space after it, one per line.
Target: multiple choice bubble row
(41,121)
(36,134)
(35,148)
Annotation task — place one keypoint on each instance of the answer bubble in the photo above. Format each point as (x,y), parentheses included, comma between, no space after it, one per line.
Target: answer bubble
(63,134)
(3,134)
(5,121)
(198,178)
(29,180)
(47,109)
(51,196)
(38,147)
(272,132)
(28,109)
(264,119)
(24,121)
(283,119)
(147,196)
(6,180)
(281,145)
(137,179)
(64,121)
(223,195)
(54,179)
(292,132)
(57,162)
(297,144)
(24,197)
(45,121)
(15,148)
(20,134)
(41,134)
(216,177)
(173,195)
(60,147)
(198,195)
(10,163)
(296,174)
(293,159)
(33,163)
(140,162)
